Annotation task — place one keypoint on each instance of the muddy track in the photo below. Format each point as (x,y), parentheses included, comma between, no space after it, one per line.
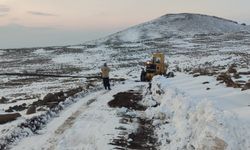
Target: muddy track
(141,139)
(70,120)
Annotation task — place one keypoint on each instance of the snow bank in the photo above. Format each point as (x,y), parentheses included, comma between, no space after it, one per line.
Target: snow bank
(186,123)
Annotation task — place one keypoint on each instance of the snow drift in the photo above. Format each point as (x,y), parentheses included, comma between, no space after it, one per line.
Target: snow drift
(184,122)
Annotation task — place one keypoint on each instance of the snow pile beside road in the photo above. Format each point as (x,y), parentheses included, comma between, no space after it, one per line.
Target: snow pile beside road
(183,122)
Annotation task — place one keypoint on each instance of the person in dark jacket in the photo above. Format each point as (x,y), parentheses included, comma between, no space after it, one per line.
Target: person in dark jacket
(105,76)
(143,75)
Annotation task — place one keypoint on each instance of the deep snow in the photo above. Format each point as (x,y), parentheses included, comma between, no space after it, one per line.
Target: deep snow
(197,118)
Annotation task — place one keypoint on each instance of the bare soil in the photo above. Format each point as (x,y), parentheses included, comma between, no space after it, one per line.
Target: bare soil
(143,138)
(128,99)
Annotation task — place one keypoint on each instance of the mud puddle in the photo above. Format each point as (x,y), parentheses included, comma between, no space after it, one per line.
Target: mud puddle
(143,137)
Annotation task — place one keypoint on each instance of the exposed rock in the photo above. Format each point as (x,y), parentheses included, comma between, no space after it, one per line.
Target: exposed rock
(232,69)
(39,103)
(3,100)
(246,86)
(31,110)
(241,83)
(196,75)
(60,94)
(41,109)
(206,82)
(187,69)
(72,92)
(4,118)
(51,104)
(236,76)
(117,79)
(226,78)
(89,85)
(50,97)
(170,75)
(244,73)
(177,69)
(17,108)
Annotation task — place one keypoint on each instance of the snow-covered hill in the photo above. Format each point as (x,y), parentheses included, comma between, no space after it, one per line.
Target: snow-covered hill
(191,111)
(175,25)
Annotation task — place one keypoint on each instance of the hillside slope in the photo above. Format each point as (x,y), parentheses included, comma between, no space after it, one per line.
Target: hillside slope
(175,25)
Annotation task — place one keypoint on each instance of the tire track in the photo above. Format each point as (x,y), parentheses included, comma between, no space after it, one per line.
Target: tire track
(69,122)
(143,137)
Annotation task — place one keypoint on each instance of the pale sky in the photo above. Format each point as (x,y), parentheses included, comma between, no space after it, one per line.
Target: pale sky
(25,23)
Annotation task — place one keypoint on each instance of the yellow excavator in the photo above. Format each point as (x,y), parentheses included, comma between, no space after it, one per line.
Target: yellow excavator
(156,66)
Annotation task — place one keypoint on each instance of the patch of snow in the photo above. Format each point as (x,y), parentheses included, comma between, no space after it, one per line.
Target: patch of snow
(130,35)
(43,52)
(76,47)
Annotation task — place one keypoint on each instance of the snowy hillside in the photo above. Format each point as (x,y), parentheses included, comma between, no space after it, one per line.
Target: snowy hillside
(56,98)
(176,25)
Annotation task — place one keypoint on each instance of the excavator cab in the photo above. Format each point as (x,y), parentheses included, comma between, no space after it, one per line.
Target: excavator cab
(156,66)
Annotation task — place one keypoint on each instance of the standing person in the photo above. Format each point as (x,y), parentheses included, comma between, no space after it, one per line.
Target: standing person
(143,75)
(105,76)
